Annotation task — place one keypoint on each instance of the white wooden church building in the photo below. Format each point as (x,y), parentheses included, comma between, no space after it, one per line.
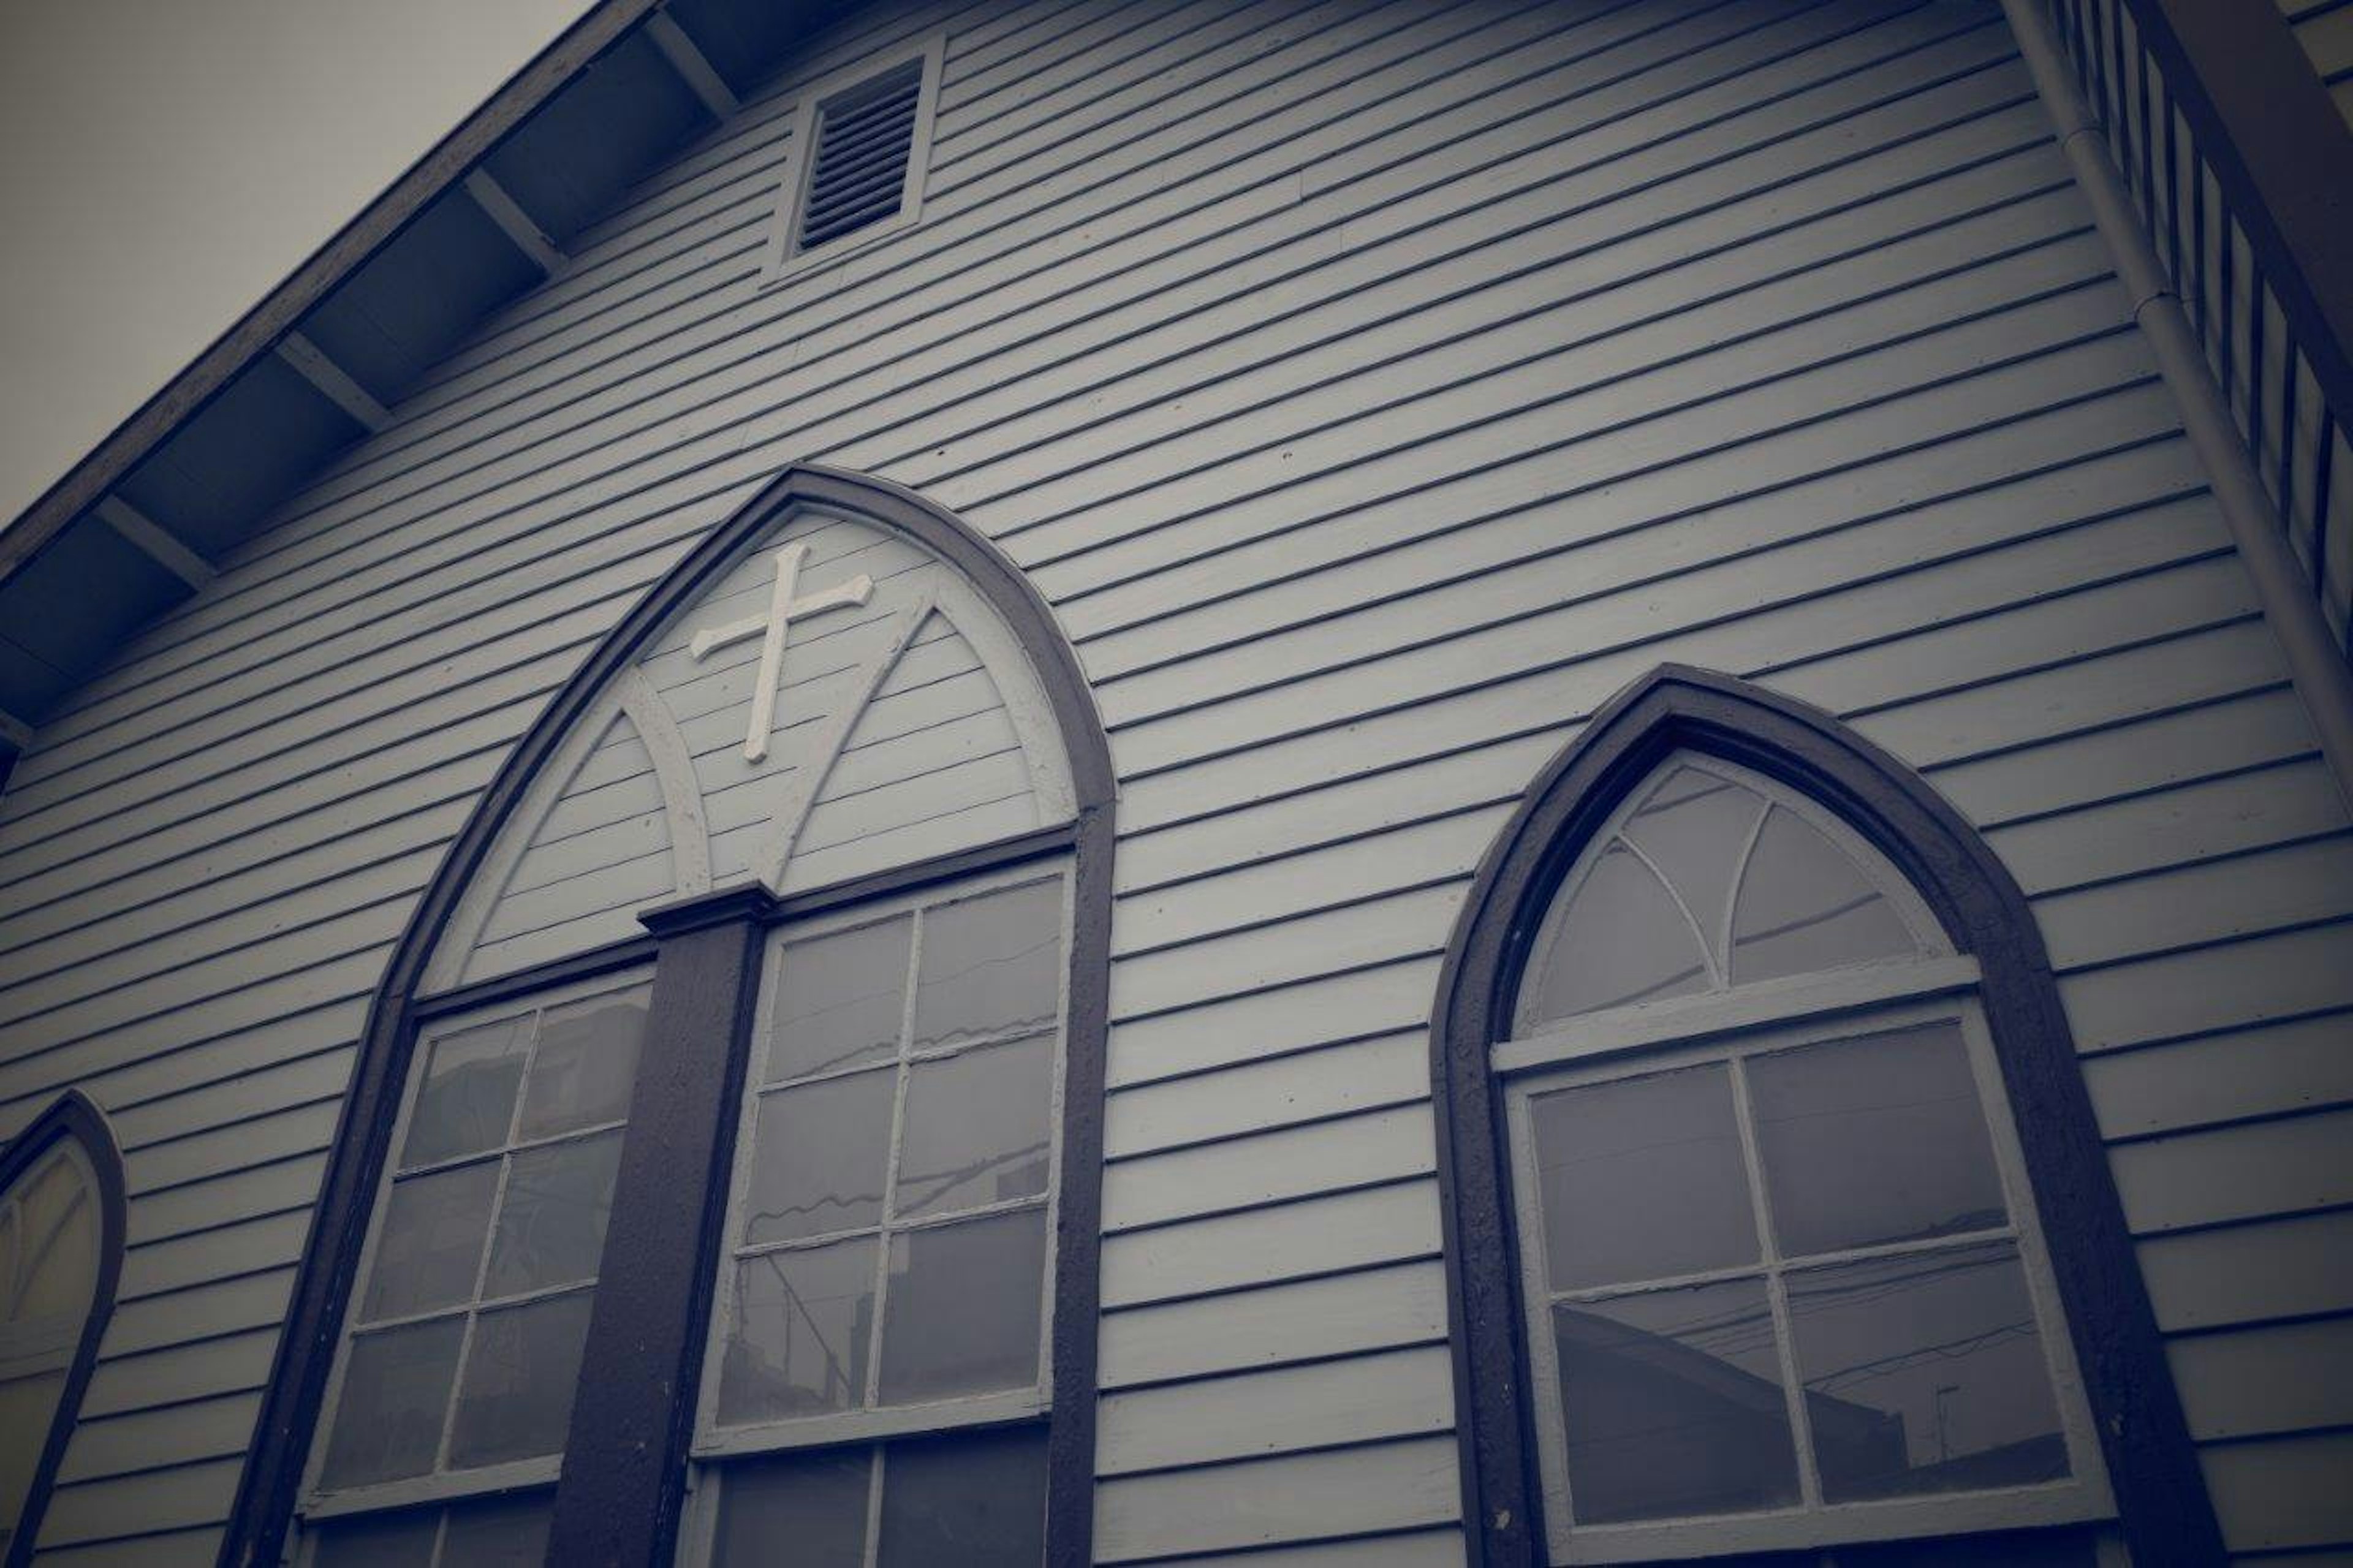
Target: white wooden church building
(1298,784)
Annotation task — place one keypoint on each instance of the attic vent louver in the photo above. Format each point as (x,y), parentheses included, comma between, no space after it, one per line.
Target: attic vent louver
(864,139)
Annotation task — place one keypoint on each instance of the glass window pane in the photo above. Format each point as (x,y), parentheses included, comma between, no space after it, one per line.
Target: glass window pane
(1622,940)
(839,999)
(1925,1373)
(27,1405)
(991,964)
(61,1263)
(963,1303)
(976,1130)
(520,1372)
(399,1541)
(1673,1404)
(551,1222)
(797,1342)
(1805,906)
(503,1532)
(467,1098)
(1874,1140)
(430,1248)
(818,1157)
(1642,1179)
(812,1505)
(978,1501)
(585,1065)
(395,1391)
(1693,827)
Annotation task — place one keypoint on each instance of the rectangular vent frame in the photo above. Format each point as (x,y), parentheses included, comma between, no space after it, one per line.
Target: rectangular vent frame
(852,130)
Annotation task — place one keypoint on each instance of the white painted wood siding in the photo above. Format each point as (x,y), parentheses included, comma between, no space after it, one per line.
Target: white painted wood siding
(2325,29)
(1373,390)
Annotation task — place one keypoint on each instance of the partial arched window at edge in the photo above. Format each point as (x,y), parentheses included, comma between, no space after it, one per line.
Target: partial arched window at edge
(1784,1255)
(60,1253)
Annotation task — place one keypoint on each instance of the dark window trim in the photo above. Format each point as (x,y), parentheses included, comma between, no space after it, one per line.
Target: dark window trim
(268,1490)
(2160,1494)
(72,1115)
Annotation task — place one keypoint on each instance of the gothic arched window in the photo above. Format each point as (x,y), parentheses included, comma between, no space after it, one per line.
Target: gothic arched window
(1779,1221)
(776,1224)
(60,1251)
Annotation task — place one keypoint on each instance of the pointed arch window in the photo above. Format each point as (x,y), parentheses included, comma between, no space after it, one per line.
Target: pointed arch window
(60,1250)
(1746,1048)
(721,1169)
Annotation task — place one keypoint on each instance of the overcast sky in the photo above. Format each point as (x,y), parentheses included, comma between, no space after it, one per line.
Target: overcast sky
(164,164)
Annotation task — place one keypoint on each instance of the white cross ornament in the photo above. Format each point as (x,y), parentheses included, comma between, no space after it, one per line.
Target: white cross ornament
(782,610)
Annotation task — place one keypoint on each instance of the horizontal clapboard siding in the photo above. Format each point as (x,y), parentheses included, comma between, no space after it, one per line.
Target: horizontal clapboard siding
(1374,391)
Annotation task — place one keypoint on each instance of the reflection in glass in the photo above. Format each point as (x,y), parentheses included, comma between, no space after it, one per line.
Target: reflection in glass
(516,1399)
(503,1532)
(1672,1405)
(468,1097)
(978,1501)
(395,1389)
(1621,940)
(963,1314)
(839,999)
(431,1244)
(1804,906)
(819,1155)
(1642,1179)
(796,1343)
(552,1221)
(585,1065)
(1874,1140)
(400,1541)
(991,964)
(1695,827)
(975,1128)
(814,1505)
(1937,1356)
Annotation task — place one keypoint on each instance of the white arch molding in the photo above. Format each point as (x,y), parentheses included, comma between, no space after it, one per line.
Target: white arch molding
(652,796)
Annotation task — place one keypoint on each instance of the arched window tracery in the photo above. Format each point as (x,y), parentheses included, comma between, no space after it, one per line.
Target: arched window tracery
(1777,1220)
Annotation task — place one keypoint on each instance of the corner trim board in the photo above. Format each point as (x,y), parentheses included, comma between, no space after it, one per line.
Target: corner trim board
(2162,1505)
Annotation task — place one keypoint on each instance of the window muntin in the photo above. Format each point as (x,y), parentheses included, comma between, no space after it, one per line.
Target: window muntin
(1712,879)
(1785,1209)
(889,1261)
(50,1249)
(461,1349)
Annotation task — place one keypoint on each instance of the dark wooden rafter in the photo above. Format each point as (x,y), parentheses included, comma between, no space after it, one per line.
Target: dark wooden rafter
(2160,1494)
(156,542)
(693,67)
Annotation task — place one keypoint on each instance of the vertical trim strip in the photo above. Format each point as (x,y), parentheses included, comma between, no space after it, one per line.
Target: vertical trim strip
(633,1415)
